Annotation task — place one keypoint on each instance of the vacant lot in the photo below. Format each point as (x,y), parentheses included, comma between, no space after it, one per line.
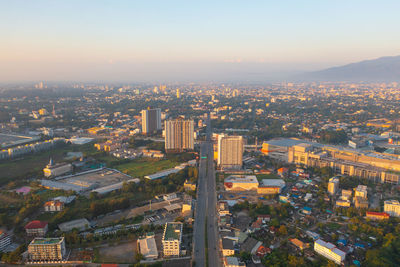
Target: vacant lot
(145,166)
(118,253)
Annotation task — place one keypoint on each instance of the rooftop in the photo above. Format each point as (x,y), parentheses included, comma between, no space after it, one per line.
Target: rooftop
(35,225)
(242,179)
(273,182)
(173,231)
(46,241)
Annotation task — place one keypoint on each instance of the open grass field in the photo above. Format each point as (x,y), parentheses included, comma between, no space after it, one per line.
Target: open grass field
(33,164)
(145,166)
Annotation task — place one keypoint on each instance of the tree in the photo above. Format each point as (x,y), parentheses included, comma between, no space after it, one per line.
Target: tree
(139,256)
(282,230)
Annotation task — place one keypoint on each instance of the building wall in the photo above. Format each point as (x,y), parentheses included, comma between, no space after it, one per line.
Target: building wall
(46,252)
(151,120)
(230,151)
(179,135)
(326,252)
(268,190)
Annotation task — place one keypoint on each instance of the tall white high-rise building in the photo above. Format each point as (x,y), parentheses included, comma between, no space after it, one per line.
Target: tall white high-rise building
(179,135)
(151,120)
(230,152)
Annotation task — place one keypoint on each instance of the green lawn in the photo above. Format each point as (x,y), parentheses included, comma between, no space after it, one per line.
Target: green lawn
(33,164)
(333,226)
(145,166)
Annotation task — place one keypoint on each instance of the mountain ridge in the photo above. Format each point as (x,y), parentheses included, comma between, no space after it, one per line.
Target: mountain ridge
(383,69)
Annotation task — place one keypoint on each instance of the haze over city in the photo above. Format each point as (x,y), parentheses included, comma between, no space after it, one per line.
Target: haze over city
(186,41)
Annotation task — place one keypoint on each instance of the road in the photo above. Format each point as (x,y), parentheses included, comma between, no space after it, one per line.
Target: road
(206,207)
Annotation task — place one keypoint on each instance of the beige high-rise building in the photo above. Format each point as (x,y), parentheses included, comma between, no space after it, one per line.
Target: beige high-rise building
(230,152)
(333,185)
(47,249)
(179,135)
(151,120)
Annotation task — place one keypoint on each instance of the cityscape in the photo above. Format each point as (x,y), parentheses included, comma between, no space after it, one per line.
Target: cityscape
(212,166)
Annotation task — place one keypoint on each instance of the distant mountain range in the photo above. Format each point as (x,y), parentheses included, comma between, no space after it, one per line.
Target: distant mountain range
(384,69)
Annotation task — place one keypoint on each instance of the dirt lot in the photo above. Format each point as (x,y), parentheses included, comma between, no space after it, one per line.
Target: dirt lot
(118,253)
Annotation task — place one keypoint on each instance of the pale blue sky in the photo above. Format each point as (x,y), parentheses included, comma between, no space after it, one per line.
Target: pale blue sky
(166,40)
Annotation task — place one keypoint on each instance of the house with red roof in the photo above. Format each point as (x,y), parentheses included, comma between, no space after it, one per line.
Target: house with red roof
(377,215)
(36,228)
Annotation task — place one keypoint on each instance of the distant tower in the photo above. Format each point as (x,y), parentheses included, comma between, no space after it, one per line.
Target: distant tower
(151,120)
(54,110)
(178,93)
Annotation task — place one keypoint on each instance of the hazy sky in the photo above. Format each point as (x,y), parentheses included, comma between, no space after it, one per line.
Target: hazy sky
(166,40)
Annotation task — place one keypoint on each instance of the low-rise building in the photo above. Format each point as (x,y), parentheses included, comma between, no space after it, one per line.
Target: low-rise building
(188,186)
(392,207)
(377,215)
(147,247)
(330,251)
(271,186)
(228,247)
(343,203)
(53,205)
(360,202)
(79,224)
(241,183)
(232,262)
(5,240)
(172,239)
(298,243)
(53,170)
(47,249)
(36,228)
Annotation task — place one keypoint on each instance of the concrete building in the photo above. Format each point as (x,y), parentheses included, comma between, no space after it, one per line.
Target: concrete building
(392,207)
(36,228)
(333,185)
(228,247)
(230,152)
(241,183)
(361,191)
(343,203)
(53,205)
(147,247)
(172,239)
(271,186)
(328,250)
(47,249)
(232,262)
(179,135)
(377,215)
(360,202)
(53,170)
(5,240)
(80,224)
(151,120)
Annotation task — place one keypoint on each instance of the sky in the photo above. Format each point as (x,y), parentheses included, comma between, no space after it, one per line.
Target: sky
(167,40)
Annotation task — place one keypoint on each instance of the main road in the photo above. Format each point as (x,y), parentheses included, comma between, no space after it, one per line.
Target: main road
(206,205)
